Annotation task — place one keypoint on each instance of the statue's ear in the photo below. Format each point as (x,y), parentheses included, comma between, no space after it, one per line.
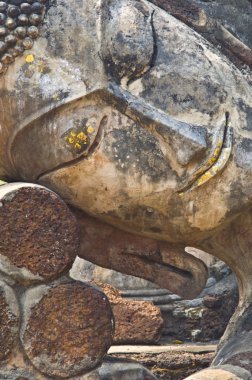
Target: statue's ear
(127,38)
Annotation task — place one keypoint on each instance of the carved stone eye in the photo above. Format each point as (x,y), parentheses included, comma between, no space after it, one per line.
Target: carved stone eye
(63,135)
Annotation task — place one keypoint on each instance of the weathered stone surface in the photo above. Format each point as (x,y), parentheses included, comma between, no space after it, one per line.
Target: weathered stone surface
(67,328)
(16,374)
(172,365)
(111,369)
(204,318)
(219,374)
(9,370)
(241,359)
(86,271)
(124,369)
(235,15)
(30,373)
(174,106)
(214,374)
(236,370)
(9,321)
(235,346)
(124,44)
(221,22)
(220,302)
(165,264)
(212,302)
(38,235)
(152,137)
(135,321)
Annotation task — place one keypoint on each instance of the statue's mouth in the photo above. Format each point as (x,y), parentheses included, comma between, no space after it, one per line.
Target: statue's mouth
(216,161)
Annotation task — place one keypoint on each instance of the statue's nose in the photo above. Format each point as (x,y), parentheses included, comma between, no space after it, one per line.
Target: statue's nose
(185,141)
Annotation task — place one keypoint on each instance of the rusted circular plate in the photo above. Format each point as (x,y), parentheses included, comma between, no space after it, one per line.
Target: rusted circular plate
(67,328)
(38,233)
(9,321)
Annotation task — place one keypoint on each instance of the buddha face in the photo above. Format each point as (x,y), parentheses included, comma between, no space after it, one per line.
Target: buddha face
(129,115)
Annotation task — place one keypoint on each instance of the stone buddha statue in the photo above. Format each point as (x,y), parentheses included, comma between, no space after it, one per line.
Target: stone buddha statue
(139,114)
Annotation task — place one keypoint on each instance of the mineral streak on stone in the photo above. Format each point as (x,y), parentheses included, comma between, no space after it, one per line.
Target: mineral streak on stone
(9,321)
(67,328)
(38,233)
(19,27)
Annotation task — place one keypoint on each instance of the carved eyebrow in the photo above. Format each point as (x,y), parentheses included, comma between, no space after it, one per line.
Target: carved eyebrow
(19,27)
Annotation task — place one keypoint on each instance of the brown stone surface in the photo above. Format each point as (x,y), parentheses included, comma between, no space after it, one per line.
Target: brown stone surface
(9,321)
(215,319)
(39,234)
(135,321)
(205,318)
(171,365)
(67,328)
(212,302)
